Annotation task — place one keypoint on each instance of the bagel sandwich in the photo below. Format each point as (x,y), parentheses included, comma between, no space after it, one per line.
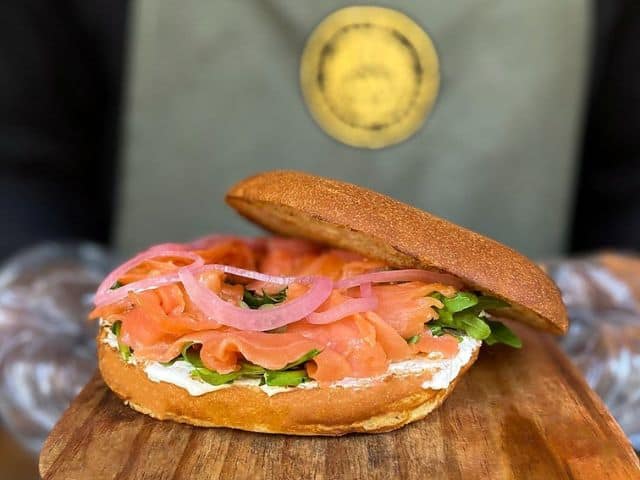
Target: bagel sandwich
(356,313)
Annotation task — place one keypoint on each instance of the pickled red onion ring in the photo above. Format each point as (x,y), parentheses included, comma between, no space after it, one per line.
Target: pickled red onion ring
(400,276)
(366,303)
(241,272)
(105,295)
(112,296)
(366,290)
(260,320)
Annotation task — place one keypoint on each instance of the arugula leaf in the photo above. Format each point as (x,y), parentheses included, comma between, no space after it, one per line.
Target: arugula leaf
(125,350)
(500,333)
(191,355)
(116,285)
(214,378)
(303,359)
(414,339)
(472,325)
(486,302)
(445,317)
(460,301)
(438,296)
(251,369)
(287,378)
(461,314)
(254,300)
(438,329)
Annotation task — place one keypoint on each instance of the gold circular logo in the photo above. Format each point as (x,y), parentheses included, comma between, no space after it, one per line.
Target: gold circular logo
(369,76)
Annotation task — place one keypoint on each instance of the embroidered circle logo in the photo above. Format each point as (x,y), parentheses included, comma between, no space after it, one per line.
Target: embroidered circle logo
(369,76)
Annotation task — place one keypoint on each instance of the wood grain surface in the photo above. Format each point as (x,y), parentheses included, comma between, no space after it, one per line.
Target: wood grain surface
(524,414)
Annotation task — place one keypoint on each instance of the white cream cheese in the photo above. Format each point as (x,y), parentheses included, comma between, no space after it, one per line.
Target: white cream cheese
(443,371)
(110,339)
(179,374)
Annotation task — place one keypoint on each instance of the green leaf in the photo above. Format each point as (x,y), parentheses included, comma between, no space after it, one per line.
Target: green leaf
(438,296)
(254,300)
(472,325)
(214,378)
(247,369)
(445,317)
(250,369)
(500,333)
(460,314)
(436,328)
(211,376)
(486,302)
(191,355)
(303,359)
(287,378)
(414,339)
(125,350)
(460,301)
(116,285)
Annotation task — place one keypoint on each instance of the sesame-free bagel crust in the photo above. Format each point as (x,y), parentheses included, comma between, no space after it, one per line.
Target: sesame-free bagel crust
(347,216)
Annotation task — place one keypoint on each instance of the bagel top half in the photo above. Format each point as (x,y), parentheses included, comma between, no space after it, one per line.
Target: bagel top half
(374,225)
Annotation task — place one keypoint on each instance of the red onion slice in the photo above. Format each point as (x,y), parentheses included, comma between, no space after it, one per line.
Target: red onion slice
(400,276)
(366,290)
(105,295)
(241,272)
(366,303)
(112,296)
(246,319)
(346,308)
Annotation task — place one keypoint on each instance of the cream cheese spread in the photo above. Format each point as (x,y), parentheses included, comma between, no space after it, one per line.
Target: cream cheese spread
(444,371)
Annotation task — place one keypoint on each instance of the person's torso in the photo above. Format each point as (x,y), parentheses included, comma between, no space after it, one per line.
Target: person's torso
(215,97)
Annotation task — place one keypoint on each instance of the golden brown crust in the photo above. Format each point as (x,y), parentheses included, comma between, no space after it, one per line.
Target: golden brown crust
(384,406)
(351,217)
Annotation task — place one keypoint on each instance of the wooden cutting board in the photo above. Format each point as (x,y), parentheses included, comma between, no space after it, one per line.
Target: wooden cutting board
(524,414)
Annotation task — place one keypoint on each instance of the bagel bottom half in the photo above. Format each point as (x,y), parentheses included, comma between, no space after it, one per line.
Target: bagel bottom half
(380,407)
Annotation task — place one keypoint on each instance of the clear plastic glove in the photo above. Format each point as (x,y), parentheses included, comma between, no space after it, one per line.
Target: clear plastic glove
(604,337)
(47,347)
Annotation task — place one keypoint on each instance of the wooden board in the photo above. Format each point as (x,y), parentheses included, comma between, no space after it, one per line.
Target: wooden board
(524,414)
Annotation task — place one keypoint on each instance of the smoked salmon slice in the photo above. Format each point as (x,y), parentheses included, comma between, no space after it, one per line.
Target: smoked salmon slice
(157,323)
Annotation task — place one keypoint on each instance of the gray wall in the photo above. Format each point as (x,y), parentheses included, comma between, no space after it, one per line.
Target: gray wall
(214,97)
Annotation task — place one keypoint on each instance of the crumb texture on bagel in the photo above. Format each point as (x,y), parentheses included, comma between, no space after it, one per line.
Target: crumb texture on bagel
(347,216)
(381,407)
